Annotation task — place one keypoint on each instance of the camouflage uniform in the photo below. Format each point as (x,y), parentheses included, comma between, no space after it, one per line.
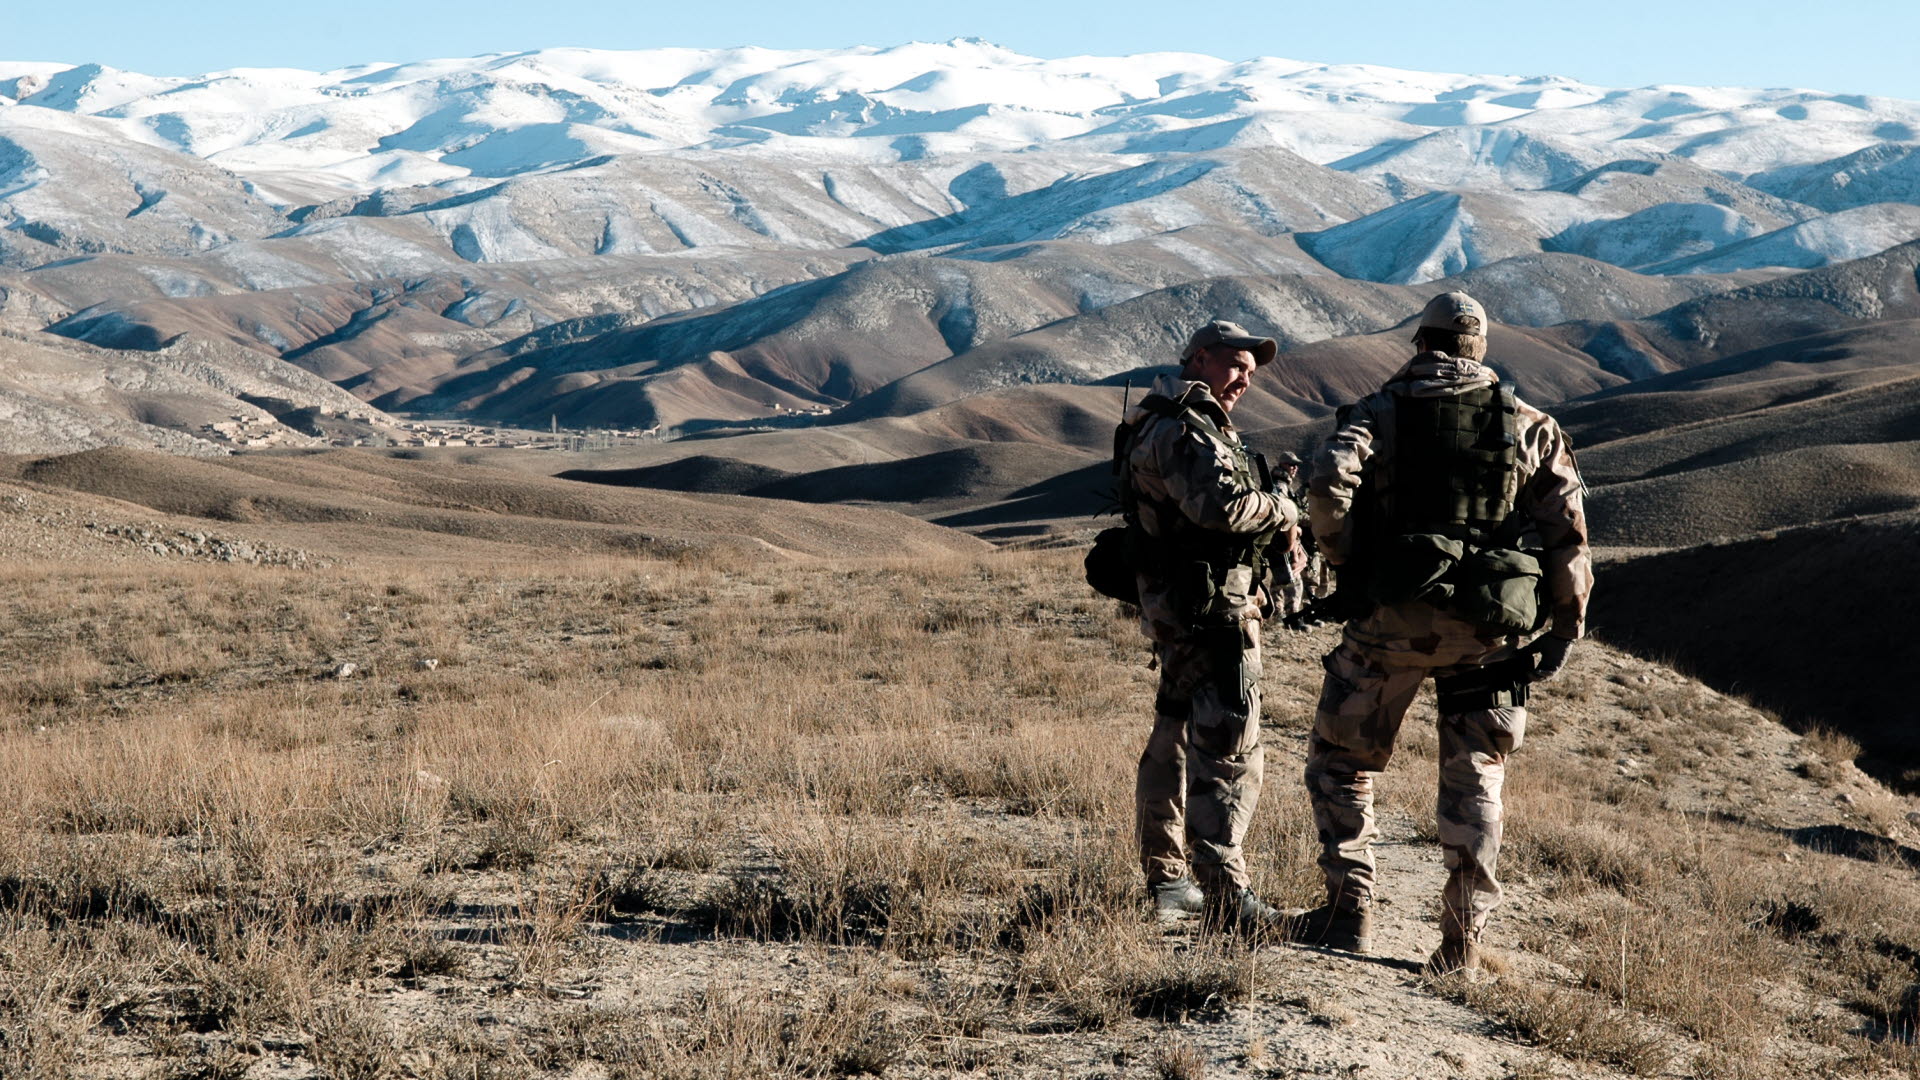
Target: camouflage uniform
(1290,561)
(1373,675)
(1201,772)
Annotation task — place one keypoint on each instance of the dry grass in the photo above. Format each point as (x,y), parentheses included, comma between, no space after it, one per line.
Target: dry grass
(1568,1022)
(1695,937)
(869,816)
(212,842)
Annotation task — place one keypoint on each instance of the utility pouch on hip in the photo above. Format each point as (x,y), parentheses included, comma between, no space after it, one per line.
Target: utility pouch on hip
(1499,589)
(1110,565)
(1411,567)
(1194,589)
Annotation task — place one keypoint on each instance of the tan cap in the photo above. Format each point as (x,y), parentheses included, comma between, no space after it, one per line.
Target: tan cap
(1455,311)
(1222,332)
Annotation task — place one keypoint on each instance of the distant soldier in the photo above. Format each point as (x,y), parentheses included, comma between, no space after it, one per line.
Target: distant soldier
(1287,480)
(1443,500)
(1204,524)
(1290,567)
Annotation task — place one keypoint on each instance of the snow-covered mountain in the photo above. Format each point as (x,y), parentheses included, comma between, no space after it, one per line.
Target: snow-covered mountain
(386,125)
(382,224)
(670,149)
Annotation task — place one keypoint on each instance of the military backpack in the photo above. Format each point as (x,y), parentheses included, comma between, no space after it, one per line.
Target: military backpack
(1440,525)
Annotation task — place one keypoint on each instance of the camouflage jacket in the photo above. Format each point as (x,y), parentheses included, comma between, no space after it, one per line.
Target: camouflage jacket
(1550,494)
(1174,468)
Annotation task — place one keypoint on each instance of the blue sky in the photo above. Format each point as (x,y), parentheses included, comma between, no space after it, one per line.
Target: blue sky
(1860,47)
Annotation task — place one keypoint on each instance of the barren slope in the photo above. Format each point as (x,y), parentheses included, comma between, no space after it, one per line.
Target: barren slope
(56,395)
(352,502)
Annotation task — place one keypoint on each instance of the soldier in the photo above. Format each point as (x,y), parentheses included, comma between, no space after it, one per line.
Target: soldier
(1290,568)
(1288,480)
(1442,499)
(1187,481)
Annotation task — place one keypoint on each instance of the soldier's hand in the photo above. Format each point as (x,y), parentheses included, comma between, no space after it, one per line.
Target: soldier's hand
(1549,655)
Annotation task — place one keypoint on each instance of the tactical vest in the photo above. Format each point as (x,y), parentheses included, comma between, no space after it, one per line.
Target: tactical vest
(1182,551)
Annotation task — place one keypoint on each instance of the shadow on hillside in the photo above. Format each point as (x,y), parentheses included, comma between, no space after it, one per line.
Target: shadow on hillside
(1002,221)
(1853,843)
(1820,624)
(1085,492)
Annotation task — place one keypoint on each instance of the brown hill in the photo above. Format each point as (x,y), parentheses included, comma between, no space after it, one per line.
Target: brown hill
(1820,623)
(820,343)
(1883,412)
(1031,458)
(1809,430)
(700,472)
(1771,491)
(965,475)
(1801,369)
(1299,311)
(1735,321)
(387,336)
(58,395)
(354,502)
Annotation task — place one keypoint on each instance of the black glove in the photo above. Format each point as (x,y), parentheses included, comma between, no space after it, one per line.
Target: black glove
(1549,655)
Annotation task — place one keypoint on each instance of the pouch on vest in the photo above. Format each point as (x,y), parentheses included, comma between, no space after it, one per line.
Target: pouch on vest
(1499,589)
(1193,589)
(1110,565)
(1234,676)
(1412,566)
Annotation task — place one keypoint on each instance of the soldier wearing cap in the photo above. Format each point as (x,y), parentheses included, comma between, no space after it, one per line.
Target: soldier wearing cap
(1187,481)
(1453,510)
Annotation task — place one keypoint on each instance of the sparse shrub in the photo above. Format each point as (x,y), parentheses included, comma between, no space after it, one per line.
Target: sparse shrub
(1086,945)
(514,844)
(424,955)
(1568,1022)
(1200,981)
(1586,854)
(350,1041)
(737,1034)
(1323,1010)
(44,1012)
(856,894)
(218,1061)
(1174,1058)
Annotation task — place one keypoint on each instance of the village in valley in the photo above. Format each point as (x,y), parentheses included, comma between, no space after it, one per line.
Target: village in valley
(320,427)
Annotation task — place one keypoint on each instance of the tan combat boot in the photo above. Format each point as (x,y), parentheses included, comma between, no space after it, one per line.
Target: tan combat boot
(1346,927)
(1457,953)
(1177,899)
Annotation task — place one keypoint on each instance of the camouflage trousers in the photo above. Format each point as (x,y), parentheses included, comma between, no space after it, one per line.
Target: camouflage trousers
(1293,595)
(1363,700)
(1201,772)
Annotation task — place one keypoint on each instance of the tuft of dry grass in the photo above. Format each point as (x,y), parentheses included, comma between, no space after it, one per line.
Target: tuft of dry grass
(1174,1058)
(1830,756)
